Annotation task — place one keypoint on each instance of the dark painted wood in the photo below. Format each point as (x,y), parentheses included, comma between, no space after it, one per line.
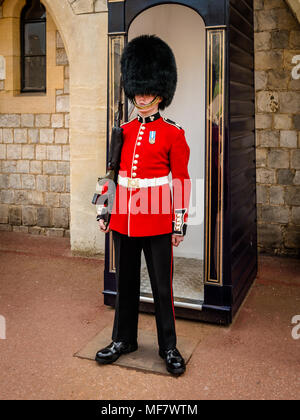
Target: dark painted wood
(212,12)
(116,17)
(242,149)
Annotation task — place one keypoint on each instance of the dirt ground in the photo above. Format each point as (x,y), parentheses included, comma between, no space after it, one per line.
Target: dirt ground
(53,305)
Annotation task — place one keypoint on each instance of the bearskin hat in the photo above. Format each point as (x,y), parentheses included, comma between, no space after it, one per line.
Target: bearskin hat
(148,66)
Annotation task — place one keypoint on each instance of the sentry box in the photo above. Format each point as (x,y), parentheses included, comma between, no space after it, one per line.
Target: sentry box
(214,102)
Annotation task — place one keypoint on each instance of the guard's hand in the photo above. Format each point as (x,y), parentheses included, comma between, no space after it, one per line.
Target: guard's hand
(103,227)
(176,239)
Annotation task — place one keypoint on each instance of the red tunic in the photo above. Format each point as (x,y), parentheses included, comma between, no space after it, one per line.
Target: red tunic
(153,147)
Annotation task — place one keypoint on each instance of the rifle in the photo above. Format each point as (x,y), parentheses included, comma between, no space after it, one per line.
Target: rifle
(107,183)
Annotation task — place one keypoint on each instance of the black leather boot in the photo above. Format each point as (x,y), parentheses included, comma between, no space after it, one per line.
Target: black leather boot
(174,361)
(112,352)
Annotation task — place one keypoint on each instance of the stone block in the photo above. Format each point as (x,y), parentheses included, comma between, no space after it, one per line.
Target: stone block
(57,183)
(42,120)
(62,103)
(64,200)
(295,39)
(33,135)
(263,121)
(40,152)
(4,213)
(7,196)
(297,178)
(60,218)
(83,6)
(2,151)
(50,168)
(20,135)
(61,57)
(28,182)
(46,135)
(266,176)
(268,138)
(279,39)
(52,199)
(67,120)
(63,168)
(10,120)
(261,157)
(295,159)
(289,102)
(4,227)
(278,78)
(61,136)
(275,214)
(268,60)
(288,138)
(100,6)
(15,181)
(273,4)
(21,197)
(9,166)
(28,151)
(283,122)
(36,167)
(7,135)
(35,197)
(15,215)
(267,20)
(292,196)
(285,176)
(278,159)
(261,80)
(27,120)
(66,153)
(14,151)
(276,194)
(57,120)
(43,216)
(29,215)
(292,237)
(54,152)
(23,166)
(285,19)
(55,232)
(295,215)
(262,41)
(268,101)
(262,194)
(1,135)
(22,229)
(42,183)
(269,236)
(4,181)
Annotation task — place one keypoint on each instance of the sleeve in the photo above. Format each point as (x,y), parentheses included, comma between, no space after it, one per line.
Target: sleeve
(181,182)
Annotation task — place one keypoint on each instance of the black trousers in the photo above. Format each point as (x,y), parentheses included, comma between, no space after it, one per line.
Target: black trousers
(158,253)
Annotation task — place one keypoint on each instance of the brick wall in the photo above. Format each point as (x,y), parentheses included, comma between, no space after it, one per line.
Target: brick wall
(35,165)
(277,41)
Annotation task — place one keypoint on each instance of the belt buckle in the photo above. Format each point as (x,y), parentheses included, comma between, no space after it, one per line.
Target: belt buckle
(132,183)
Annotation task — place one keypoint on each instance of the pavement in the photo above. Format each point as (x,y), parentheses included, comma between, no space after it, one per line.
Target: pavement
(52,305)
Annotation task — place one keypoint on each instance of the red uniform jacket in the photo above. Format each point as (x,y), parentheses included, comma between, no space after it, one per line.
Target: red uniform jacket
(153,147)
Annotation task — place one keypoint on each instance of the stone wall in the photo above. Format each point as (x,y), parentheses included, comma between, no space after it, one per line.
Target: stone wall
(35,165)
(277,83)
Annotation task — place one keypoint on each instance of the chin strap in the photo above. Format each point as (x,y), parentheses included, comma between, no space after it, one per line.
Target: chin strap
(155,101)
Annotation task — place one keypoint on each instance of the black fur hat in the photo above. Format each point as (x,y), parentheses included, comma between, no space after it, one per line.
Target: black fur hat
(148,66)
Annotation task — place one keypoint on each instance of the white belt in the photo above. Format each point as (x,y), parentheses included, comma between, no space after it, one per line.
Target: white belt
(142,182)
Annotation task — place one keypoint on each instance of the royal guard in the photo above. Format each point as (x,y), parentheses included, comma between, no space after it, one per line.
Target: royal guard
(149,213)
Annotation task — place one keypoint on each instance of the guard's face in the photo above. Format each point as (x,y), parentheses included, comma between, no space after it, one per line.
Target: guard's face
(143,100)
